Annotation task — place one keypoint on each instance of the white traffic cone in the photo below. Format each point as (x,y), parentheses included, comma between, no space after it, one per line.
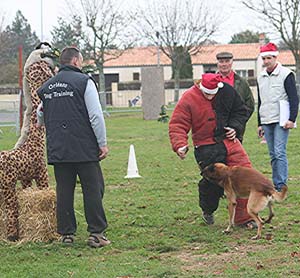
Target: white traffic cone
(132,170)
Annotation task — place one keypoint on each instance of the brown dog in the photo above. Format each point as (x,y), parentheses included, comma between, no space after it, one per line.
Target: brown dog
(243,182)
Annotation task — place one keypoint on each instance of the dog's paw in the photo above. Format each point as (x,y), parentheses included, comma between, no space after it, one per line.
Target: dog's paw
(255,237)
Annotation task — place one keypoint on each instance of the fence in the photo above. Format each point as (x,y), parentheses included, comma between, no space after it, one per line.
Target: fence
(130,101)
(112,102)
(9,114)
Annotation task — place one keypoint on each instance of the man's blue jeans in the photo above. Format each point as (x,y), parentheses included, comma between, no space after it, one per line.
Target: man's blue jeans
(277,138)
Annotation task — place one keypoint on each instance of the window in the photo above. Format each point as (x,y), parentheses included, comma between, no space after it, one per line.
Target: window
(242,73)
(210,68)
(250,73)
(136,76)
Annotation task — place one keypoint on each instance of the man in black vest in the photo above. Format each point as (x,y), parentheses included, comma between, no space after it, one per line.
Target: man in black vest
(76,141)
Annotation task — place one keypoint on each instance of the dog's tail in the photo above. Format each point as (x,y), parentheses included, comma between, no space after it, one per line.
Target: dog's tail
(280,196)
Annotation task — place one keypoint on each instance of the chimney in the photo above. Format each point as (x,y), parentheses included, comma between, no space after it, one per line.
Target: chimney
(262,39)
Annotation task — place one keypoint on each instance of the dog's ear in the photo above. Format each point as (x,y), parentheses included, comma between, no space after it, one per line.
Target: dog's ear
(207,169)
(211,167)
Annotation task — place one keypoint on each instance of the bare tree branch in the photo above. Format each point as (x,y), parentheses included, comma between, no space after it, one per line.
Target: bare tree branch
(284,16)
(180,24)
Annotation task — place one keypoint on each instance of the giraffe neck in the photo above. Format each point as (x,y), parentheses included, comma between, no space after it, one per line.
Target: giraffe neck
(36,136)
(36,75)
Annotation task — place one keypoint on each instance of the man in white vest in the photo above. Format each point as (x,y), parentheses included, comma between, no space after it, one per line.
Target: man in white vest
(276,84)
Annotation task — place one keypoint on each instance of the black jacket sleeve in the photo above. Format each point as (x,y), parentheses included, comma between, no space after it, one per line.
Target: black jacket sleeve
(258,106)
(290,88)
(230,111)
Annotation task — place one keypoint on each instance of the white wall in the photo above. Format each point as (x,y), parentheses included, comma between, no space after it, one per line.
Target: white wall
(244,65)
(197,71)
(126,73)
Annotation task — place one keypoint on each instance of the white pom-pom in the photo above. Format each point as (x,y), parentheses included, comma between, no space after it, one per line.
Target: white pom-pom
(220,85)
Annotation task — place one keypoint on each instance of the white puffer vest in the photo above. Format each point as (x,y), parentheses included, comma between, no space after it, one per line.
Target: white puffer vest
(271,91)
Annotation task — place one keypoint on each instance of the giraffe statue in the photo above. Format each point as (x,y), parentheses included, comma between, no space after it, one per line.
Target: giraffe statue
(26,162)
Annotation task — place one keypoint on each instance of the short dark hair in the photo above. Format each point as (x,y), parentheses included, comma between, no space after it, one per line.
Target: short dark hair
(68,54)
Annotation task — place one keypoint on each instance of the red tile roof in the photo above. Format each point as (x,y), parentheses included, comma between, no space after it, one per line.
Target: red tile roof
(286,57)
(140,56)
(242,51)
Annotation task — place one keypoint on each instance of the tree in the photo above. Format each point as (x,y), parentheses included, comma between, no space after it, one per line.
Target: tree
(5,43)
(245,37)
(4,49)
(186,69)
(21,34)
(18,33)
(68,34)
(8,66)
(284,17)
(282,45)
(107,34)
(180,24)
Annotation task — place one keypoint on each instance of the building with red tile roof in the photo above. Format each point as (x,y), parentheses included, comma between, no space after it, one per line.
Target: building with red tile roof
(247,62)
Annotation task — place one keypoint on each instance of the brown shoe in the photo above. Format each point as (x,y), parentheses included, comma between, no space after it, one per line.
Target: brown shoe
(97,241)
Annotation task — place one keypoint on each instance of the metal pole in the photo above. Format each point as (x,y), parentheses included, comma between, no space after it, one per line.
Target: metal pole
(42,35)
(158,50)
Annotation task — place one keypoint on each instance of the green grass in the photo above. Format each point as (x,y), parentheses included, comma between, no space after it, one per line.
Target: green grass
(155,223)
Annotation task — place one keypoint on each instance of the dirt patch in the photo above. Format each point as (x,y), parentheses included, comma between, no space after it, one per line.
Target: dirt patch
(216,264)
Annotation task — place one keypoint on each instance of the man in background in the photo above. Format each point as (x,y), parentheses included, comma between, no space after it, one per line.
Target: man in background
(276,85)
(224,64)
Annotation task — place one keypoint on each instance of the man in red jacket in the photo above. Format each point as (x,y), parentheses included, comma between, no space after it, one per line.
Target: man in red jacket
(216,115)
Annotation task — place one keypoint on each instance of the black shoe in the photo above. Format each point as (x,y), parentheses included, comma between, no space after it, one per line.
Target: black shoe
(208,218)
(67,239)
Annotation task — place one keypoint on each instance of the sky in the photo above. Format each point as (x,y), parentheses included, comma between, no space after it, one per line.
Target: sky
(42,16)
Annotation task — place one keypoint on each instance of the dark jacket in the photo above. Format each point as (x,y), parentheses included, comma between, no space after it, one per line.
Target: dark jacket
(70,137)
(231,112)
(242,87)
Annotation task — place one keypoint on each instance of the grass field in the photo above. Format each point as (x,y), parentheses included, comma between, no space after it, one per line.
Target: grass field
(155,223)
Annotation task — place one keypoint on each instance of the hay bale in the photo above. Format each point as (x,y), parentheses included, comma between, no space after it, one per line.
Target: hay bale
(37,215)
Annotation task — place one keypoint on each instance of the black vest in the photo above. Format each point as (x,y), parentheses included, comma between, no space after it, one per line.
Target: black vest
(70,137)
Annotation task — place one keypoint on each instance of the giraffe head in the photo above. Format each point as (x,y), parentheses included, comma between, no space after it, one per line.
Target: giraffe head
(40,64)
(43,52)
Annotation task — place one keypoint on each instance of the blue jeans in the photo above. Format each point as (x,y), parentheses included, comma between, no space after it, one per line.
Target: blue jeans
(277,138)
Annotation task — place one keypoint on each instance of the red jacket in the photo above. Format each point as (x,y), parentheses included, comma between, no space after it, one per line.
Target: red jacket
(206,118)
(192,112)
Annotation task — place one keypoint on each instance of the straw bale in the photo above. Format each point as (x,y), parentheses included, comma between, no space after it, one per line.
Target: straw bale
(37,215)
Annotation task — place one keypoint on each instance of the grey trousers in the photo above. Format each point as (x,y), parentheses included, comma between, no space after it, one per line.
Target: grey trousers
(92,185)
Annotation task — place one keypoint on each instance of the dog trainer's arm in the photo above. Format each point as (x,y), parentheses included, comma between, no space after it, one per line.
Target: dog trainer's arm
(179,127)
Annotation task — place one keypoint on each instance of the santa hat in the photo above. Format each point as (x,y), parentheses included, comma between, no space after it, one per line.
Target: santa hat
(210,83)
(269,49)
